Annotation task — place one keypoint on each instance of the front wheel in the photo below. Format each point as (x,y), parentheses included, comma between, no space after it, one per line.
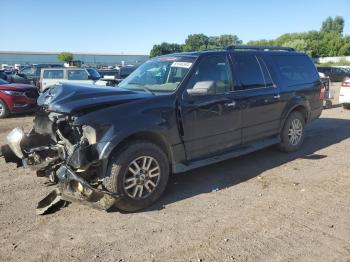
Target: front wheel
(293,132)
(139,174)
(4,111)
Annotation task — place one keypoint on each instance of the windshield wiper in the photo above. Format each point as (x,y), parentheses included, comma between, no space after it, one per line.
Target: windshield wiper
(146,89)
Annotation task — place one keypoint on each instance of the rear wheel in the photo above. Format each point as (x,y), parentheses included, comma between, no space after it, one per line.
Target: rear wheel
(293,132)
(4,111)
(139,174)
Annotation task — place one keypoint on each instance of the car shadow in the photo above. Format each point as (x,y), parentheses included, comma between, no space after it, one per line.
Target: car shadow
(320,134)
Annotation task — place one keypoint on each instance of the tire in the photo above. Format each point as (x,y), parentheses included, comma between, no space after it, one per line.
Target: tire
(294,124)
(4,111)
(120,178)
(346,106)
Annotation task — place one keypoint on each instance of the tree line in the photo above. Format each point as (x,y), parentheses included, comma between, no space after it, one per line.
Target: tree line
(328,41)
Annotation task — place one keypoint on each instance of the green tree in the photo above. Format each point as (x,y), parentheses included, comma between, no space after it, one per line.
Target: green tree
(227,40)
(262,42)
(333,25)
(165,48)
(297,44)
(65,57)
(196,42)
(200,41)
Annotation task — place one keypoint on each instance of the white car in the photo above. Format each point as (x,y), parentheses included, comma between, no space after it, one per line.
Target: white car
(344,95)
(53,76)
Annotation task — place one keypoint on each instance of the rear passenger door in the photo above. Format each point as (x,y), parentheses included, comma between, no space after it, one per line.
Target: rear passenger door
(258,96)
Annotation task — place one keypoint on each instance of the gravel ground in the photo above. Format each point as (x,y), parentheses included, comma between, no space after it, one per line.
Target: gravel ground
(265,206)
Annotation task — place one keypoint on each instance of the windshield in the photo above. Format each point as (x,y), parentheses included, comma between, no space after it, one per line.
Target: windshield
(162,74)
(3,82)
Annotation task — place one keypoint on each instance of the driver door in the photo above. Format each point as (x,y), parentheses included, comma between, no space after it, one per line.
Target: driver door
(211,122)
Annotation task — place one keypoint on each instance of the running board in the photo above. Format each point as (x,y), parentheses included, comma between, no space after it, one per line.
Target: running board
(246,149)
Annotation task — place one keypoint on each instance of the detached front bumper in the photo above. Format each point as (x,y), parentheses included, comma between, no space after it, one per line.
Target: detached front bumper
(69,171)
(73,188)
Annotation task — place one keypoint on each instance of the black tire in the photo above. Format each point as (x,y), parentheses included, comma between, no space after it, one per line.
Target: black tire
(4,111)
(119,170)
(346,106)
(287,144)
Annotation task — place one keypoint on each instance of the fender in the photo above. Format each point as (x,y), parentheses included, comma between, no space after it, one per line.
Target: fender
(292,104)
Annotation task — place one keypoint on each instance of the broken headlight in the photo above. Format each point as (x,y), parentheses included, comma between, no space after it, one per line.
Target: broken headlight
(90,134)
(14,139)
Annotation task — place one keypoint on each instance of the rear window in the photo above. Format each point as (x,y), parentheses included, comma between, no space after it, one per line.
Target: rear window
(53,74)
(296,70)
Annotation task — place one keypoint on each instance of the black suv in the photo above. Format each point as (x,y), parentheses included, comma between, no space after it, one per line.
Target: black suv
(118,146)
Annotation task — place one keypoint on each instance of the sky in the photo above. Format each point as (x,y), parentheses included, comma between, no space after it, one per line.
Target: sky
(134,26)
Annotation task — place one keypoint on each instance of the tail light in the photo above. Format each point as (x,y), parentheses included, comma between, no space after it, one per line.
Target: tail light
(322,91)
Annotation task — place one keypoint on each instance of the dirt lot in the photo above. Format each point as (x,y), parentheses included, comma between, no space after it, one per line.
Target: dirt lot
(266,206)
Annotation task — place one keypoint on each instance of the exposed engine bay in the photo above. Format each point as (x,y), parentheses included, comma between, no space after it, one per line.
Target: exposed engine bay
(66,154)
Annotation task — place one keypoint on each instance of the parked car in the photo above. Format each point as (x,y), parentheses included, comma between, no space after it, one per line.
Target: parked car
(118,146)
(16,98)
(109,72)
(344,95)
(125,71)
(336,74)
(30,74)
(114,76)
(3,75)
(53,76)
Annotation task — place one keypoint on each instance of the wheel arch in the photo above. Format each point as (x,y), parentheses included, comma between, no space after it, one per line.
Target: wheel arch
(147,136)
(303,109)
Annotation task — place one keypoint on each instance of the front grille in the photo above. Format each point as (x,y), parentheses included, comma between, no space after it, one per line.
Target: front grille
(32,93)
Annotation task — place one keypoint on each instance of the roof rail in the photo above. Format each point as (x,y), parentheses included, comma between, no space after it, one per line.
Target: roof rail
(259,48)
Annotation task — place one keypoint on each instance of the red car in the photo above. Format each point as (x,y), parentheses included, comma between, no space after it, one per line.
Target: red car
(16,98)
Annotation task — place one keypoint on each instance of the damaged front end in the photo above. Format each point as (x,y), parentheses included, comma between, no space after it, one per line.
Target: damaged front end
(66,153)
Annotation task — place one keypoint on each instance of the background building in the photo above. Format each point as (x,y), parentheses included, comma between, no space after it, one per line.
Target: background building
(23,58)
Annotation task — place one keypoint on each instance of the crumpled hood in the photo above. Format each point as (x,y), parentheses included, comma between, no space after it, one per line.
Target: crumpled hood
(72,98)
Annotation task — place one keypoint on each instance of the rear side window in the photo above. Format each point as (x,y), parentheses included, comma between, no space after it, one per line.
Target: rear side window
(252,72)
(77,75)
(53,74)
(296,70)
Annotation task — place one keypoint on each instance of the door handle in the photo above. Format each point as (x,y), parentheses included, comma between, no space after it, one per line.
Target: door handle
(277,96)
(231,104)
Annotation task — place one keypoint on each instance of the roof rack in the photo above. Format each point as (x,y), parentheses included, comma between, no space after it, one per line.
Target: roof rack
(259,48)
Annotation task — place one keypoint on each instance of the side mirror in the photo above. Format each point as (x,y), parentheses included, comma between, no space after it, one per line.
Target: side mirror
(202,88)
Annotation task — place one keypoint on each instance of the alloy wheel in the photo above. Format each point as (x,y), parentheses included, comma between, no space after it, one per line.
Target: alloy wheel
(142,177)
(295,132)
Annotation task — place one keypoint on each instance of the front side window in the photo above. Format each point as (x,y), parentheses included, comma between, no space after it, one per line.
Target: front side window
(216,69)
(53,74)
(159,75)
(77,75)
